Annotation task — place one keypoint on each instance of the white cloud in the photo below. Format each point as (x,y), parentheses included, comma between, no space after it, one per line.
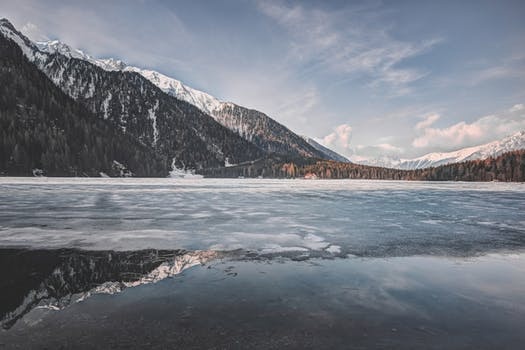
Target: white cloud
(339,139)
(507,70)
(32,31)
(350,41)
(508,67)
(296,105)
(463,134)
(428,121)
(389,148)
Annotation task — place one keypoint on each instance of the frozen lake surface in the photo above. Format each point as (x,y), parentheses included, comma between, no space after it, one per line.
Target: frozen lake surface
(363,218)
(261,264)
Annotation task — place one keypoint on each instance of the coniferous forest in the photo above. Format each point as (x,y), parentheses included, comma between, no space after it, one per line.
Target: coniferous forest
(42,128)
(507,167)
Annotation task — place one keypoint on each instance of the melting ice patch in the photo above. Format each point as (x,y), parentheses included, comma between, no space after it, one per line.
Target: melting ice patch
(182,173)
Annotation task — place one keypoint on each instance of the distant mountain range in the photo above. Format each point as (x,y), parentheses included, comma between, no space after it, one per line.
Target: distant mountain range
(492,149)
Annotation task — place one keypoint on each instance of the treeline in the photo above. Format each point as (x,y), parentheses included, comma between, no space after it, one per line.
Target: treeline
(42,128)
(507,167)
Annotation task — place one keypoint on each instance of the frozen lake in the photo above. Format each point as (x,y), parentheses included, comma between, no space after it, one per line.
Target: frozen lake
(261,264)
(363,218)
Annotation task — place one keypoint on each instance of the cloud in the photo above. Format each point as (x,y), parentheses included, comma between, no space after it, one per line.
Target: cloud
(299,104)
(511,67)
(428,121)
(496,73)
(94,28)
(323,40)
(379,150)
(463,134)
(339,139)
(33,32)
(389,148)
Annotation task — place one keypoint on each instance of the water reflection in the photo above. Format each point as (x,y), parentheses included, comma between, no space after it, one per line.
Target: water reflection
(263,301)
(55,279)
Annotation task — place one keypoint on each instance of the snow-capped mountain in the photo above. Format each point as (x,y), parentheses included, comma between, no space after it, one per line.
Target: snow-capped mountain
(45,132)
(174,87)
(250,124)
(492,149)
(56,46)
(177,131)
(205,102)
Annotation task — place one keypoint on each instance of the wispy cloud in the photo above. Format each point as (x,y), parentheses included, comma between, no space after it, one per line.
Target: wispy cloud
(351,41)
(33,32)
(298,104)
(427,121)
(483,71)
(504,71)
(93,28)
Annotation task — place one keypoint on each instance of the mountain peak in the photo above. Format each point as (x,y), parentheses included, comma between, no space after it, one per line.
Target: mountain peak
(6,22)
(110,64)
(27,46)
(56,46)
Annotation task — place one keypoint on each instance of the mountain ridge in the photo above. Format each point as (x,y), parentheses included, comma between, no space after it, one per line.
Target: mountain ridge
(177,130)
(252,125)
(495,148)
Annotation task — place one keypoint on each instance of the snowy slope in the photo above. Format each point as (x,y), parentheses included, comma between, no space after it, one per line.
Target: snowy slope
(252,125)
(491,149)
(37,51)
(174,87)
(130,102)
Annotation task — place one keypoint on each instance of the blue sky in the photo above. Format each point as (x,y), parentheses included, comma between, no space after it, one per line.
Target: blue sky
(367,78)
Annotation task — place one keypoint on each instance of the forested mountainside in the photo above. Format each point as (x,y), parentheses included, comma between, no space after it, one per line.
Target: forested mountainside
(176,129)
(43,128)
(250,124)
(265,132)
(506,167)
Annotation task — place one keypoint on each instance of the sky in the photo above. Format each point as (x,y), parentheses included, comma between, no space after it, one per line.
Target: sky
(365,78)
